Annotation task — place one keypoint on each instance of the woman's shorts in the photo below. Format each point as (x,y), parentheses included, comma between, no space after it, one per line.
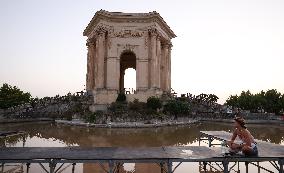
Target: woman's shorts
(254,151)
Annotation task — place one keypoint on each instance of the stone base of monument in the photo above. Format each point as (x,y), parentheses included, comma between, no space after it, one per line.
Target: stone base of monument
(103,97)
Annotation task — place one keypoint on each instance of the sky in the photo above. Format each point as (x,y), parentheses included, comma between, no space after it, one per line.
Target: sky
(222,46)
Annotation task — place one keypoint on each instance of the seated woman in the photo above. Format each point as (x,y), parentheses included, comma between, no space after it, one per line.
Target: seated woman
(248,145)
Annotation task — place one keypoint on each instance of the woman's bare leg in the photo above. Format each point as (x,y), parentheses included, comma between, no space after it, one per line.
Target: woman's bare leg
(247,150)
(234,148)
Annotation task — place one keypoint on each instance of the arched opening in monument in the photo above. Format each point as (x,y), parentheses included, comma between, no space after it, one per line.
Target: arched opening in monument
(127,81)
(130,82)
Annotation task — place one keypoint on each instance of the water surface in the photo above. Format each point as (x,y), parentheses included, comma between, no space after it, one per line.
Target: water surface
(53,135)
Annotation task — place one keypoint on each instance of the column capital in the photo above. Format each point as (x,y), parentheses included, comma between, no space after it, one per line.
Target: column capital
(90,43)
(167,44)
(101,30)
(153,31)
(159,37)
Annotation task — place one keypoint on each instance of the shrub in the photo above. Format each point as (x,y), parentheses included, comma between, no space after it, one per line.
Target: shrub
(118,107)
(136,105)
(154,103)
(176,107)
(91,117)
(78,108)
(121,97)
(74,98)
(69,117)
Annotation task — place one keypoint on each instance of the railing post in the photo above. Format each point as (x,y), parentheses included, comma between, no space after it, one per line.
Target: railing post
(162,167)
(52,166)
(239,167)
(226,166)
(280,162)
(73,167)
(110,163)
(204,166)
(28,167)
(170,166)
(246,164)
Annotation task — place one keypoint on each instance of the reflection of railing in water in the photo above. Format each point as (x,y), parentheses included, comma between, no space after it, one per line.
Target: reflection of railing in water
(11,168)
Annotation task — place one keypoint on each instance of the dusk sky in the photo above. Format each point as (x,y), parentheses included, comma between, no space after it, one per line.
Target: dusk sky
(222,46)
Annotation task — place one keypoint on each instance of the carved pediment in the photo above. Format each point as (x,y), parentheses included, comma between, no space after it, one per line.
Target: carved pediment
(128,33)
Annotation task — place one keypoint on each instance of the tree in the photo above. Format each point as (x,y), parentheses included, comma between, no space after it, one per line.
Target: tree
(282,104)
(273,103)
(258,102)
(245,100)
(233,101)
(176,107)
(154,103)
(12,96)
(212,98)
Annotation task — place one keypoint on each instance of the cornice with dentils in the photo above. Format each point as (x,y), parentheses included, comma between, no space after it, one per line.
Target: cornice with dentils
(134,17)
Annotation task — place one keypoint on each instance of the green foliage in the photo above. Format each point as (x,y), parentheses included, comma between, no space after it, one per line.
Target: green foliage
(69,117)
(282,104)
(245,100)
(270,101)
(91,117)
(209,98)
(12,96)
(118,107)
(121,97)
(176,107)
(154,103)
(212,98)
(34,101)
(273,101)
(78,108)
(137,106)
(233,101)
(159,115)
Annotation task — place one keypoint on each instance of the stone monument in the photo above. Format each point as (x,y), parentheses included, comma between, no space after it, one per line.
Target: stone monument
(117,41)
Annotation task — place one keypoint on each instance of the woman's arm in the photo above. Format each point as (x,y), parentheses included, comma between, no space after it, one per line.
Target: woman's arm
(235,134)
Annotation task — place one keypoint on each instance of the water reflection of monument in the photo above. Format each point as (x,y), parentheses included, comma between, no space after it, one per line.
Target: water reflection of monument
(144,137)
(137,168)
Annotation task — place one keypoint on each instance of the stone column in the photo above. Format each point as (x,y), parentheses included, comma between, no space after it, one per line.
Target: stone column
(90,83)
(153,62)
(164,68)
(142,74)
(112,73)
(100,50)
(158,63)
(121,80)
(168,78)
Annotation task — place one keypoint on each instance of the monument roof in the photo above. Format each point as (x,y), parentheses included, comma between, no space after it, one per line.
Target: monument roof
(131,17)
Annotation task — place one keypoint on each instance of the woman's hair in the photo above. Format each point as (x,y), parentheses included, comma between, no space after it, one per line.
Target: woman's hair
(241,122)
